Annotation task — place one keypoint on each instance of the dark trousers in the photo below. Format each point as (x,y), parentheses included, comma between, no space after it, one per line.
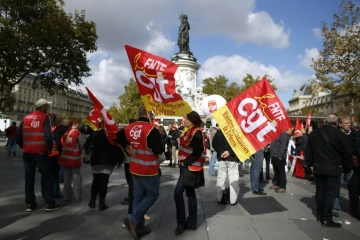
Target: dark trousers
(267,162)
(55,173)
(326,191)
(170,154)
(191,221)
(279,170)
(99,185)
(129,181)
(354,189)
(42,162)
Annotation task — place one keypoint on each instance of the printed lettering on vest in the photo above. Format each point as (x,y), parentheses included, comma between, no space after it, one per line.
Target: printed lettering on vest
(135,132)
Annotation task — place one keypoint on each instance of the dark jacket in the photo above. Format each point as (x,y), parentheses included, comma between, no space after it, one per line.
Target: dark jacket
(175,134)
(300,144)
(153,139)
(220,145)
(11,132)
(328,151)
(104,151)
(278,147)
(58,133)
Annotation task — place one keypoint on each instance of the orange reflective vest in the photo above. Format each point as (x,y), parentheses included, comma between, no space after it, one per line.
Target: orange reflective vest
(54,152)
(143,161)
(33,133)
(185,150)
(71,154)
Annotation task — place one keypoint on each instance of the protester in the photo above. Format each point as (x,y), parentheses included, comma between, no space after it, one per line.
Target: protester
(146,146)
(173,137)
(329,153)
(257,160)
(73,143)
(228,167)
(11,135)
(278,150)
(192,155)
(213,157)
(105,157)
(35,138)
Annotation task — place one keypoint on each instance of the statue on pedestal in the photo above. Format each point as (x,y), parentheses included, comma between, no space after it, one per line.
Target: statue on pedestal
(183,37)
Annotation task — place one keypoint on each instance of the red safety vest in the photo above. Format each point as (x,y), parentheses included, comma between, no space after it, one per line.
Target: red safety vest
(185,150)
(71,154)
(54,151)
(33,133)
(143,162)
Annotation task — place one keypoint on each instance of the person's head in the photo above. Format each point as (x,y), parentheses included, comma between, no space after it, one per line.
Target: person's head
(74,122)
(192,119)
(345,123)
(42,105)
(143,112)
(13,123)
(332,119)
(65,122)
(53,119)
(131,120)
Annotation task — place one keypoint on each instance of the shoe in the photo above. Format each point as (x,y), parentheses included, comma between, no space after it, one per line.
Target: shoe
(274,187)
(190,228)
(169,165)
(59,196)
(268,178)
(131,228)
(102,204)
(123,225)
(280,190)
(52,207)
(330,223)
(233,204)
(180,230)
(147,217)
(144,231)
(335,214)
(173,166)
(261,189)
(319,219)
(259,193)
(31,207)
(14,153)
(92,202)
(241,175)
(125,201)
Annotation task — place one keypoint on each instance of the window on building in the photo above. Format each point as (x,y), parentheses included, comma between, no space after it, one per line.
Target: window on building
(167,122)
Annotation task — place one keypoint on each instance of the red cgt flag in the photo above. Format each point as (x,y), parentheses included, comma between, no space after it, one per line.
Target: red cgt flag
(92,119)
(298,126)
(156,82)
(253,119)
(110,126)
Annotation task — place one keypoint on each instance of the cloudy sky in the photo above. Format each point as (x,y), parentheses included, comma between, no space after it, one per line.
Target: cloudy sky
(232,38)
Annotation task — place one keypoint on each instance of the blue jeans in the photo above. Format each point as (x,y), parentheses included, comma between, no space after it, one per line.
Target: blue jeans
(11,146)
(212,163)
(191,221)
(43,163)
(146,192)
(256,165)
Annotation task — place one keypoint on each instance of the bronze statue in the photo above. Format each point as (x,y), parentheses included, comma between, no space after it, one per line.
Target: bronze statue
(183,37)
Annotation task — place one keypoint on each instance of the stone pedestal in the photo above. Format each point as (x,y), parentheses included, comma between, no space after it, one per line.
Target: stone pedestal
(185,77)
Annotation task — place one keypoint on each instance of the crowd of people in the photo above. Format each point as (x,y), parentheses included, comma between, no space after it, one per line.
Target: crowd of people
(59,147)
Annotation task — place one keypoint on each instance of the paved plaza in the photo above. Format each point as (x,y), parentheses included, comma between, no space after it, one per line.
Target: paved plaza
(273,217)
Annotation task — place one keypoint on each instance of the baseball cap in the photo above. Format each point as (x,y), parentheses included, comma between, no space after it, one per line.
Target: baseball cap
(42,102)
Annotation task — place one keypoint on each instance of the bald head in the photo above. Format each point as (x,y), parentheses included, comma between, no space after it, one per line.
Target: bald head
(332,119)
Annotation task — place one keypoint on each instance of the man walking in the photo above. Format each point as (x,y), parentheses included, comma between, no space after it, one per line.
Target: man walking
(35,138)
(329,153)
(11,134)
(145,144)
(213,157)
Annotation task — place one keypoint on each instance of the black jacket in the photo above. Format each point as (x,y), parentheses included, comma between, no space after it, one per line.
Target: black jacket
(175,134)
(104,151)
(58,133)
(278,147)
(300,144)
(220,145)
(328,151)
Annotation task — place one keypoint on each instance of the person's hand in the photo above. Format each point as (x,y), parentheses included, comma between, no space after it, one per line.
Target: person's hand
(169,136)
(225,154)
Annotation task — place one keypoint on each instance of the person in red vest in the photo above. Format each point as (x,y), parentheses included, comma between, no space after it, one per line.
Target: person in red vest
(72,144)
(192,154)
(146,146)
(35,138)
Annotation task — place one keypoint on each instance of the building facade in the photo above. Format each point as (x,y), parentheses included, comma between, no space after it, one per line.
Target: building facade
(73,103)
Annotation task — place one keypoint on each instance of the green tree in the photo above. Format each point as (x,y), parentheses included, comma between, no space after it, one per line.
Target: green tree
(337,67)
(114,113)
(219,85)
(130,101)
(39,37)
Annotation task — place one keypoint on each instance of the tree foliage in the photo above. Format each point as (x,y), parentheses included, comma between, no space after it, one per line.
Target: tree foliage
(39,37)
(337,67)
(219,85)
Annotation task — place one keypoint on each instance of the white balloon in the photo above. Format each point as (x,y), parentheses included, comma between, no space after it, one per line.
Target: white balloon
(210,104)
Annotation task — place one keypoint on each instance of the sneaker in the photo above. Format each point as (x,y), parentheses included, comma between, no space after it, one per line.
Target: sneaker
(259,193)
(144,231)
(275,187)
(52,207)
(31,207)
(147,217)
(280,190)
(131,228)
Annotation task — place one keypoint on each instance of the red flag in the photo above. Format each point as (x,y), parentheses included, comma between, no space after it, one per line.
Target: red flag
(308,119)
(92,119)
(110,127)
(156,123)
(156,82)
(253,119)
(297,126)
